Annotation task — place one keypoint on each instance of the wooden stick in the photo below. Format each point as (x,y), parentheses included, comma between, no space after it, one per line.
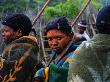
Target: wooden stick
(40,13)
(74,24)
(94,18)
(80,13)
(93,31)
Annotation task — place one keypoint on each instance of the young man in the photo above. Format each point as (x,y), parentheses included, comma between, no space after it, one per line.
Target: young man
(59,34)
(19,57)
(91,61)
(82,25)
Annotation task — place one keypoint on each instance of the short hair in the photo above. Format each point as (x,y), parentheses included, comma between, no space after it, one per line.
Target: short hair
(60,23)
(18,22)
(103,20)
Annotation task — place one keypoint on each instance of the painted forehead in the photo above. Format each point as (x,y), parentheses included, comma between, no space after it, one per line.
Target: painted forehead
(55,31)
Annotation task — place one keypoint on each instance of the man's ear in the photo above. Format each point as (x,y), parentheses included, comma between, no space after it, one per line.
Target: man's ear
(19,33)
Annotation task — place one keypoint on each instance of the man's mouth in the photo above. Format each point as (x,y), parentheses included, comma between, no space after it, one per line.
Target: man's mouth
(55,48)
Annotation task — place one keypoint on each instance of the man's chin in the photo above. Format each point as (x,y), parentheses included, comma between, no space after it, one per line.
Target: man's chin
(7,41)
(58,51)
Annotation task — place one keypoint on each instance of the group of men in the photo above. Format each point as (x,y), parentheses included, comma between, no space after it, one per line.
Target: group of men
(87,62)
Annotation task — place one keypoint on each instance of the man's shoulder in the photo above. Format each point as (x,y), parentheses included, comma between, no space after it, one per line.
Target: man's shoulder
(26,39)
(84,47)
(22,44)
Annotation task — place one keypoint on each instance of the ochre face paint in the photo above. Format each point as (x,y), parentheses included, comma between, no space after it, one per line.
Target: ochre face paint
(57,40)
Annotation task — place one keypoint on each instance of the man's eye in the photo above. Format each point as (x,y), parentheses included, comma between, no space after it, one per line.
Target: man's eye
(4,31)
(59,38)
(49,39)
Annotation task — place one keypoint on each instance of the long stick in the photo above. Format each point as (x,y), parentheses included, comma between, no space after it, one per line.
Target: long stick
(36,19)
(94,18)
(74,24)
(80,13)
(40,13)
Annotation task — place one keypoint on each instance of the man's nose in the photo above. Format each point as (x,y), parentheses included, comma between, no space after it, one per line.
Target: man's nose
(3,33)
(54,42)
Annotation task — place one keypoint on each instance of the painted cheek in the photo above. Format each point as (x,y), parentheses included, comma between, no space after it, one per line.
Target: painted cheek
(64,42)
(4,34)
(49,42)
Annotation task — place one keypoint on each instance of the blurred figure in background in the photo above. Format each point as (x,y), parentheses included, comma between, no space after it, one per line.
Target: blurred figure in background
(81,34)
(82,26)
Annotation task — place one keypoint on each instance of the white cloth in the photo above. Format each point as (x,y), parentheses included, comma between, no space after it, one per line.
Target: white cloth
(86,36)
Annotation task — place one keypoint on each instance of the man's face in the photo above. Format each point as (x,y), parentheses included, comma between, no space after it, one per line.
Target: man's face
(81,29)
(8,34)
(58,40)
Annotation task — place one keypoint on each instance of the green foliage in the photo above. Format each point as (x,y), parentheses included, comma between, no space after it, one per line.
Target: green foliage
(67,9)
(96,4)
(104,2)
(38,1)
(18,5)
